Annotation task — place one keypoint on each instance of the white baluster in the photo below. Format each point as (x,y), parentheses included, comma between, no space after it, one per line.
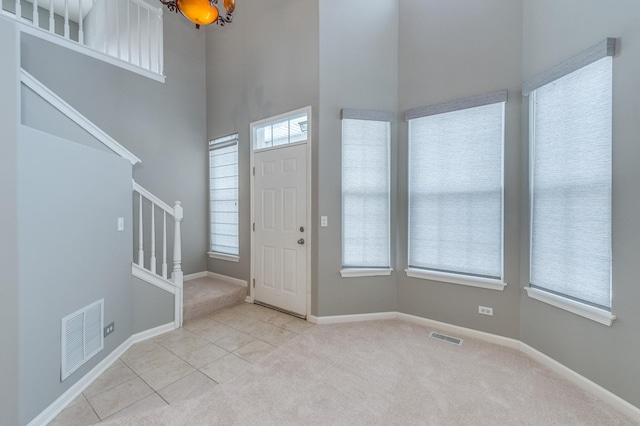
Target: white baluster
(118,27)
(94,20)
(139,39)
(66,19)
(52,22)
(149,38)
(128,32)
(152,266)
(140,240)
(164,245)
(106,28)
(19,10)
(160,45)
(36,18)
(177,274)
(80,22)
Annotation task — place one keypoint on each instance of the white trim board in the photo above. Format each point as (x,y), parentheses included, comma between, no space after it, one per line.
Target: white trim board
(582,382)
(50,413)
(216,276)
(68,111)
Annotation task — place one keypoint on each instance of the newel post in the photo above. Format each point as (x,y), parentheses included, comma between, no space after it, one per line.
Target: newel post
(177,274)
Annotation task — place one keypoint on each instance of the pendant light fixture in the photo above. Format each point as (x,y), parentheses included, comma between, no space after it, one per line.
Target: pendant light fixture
(202,12)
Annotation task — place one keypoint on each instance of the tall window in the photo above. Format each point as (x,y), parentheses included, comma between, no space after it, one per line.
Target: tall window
(570,164)
(456,191)
(223,199)
(366,137)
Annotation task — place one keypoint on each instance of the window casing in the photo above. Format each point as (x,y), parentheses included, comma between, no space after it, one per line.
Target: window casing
(456,191)
(366,139)
(223,197)
(570,164)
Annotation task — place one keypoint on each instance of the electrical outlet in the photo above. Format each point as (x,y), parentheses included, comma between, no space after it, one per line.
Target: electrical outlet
(485,311)
(109,329)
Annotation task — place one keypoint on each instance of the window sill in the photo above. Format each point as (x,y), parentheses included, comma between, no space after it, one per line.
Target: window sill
(221,256)
(586,311)
(487,283)
(365,272)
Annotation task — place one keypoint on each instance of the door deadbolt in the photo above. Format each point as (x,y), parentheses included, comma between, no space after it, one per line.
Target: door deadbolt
(301,241)
(302,229)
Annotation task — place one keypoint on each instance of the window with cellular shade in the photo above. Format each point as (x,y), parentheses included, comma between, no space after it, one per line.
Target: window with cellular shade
(223,199)
(365,189)
(571,185)
(456,187)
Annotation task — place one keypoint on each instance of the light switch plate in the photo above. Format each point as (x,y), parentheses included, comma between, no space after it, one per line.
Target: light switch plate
(324,222)
(121,224)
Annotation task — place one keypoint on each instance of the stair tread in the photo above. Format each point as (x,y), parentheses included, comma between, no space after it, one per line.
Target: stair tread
(204,296)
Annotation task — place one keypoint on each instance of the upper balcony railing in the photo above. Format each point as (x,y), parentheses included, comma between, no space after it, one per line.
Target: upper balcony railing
(127,33)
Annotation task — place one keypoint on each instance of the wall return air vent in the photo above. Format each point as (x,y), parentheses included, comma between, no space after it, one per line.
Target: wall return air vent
(81,337)
(445,338)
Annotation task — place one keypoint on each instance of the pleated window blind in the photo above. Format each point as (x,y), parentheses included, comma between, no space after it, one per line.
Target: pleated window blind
(456,187)
(365,189)
(571,185)
(223,189)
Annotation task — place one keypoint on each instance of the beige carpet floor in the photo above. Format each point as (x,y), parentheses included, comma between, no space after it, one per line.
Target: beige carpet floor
(388,373)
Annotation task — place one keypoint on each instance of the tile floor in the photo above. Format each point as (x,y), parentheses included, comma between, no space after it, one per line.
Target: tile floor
(184,363)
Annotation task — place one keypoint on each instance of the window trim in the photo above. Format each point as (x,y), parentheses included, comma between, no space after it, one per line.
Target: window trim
(460,279)
(499,96)
(219,143)
(605,48)
(586,311)
(353,271)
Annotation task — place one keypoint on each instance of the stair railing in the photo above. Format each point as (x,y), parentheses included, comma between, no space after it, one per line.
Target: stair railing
(128,30)
(174,214)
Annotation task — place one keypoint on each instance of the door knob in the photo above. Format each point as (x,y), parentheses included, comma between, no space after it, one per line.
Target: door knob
(301,241)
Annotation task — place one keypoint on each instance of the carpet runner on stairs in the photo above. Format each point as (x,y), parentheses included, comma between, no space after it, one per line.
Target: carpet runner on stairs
(203,296)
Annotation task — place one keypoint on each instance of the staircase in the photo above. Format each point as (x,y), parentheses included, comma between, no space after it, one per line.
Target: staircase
(205,295)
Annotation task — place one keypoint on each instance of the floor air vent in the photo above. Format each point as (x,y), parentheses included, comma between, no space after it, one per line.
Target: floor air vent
(446,338)
(81,337)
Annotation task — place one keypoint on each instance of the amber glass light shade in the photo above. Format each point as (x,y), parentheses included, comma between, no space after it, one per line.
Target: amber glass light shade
(200,12)
(229,5)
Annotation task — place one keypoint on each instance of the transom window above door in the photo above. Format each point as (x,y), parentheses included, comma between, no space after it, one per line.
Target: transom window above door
(283,130)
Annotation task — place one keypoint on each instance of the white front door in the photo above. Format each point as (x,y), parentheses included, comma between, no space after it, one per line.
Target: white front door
(280,209)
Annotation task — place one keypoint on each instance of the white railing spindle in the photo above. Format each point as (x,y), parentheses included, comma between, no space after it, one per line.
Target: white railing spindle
(118,28)
(52,21)
(152,265)
(106,27)
(36,17)
(177,275)
(140,237)
(80,22)
(128,32)
(19,10)
(66,19)
(164,245)
(149,37)
(94,23)
(160,44)
(139,39)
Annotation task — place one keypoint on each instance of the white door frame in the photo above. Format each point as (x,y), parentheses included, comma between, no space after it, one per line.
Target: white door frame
(309,235)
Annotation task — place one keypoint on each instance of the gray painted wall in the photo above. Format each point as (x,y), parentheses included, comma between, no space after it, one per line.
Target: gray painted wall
(450,50)
(264,64)
(70,255)
(554,31)
(152,307)
(163,124)
(358,69)
(9,122)
(41,115)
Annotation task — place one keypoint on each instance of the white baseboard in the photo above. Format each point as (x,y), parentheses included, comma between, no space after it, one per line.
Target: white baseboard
(339,319)
(50,413)
(248,299)
(582,382)
(216,276)
(231,280)
(195,276)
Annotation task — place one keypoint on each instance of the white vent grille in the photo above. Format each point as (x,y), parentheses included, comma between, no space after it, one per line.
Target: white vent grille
(445,338)
(81,337)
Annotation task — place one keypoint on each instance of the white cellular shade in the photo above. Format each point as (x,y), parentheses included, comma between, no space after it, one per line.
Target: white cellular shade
(365,193)
(223,189)
(455,191)
(571,189)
